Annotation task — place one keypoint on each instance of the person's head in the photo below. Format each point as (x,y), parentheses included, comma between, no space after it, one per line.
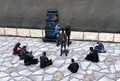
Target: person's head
(44,53)
(98,41)
(72,60)
(67,24)
(57,24)
(91,48)
(62,30)
(18,44)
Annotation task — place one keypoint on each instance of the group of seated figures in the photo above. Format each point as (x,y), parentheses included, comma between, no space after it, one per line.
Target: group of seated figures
(44,61)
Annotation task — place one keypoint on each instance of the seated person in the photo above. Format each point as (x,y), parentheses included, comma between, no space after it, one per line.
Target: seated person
(44,61)
(92,56)
(99,47)
(30,59)
(15,49)
(23,52)
(73,67)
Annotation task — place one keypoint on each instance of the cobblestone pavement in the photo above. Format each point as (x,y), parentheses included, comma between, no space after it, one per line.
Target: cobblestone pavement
(13,69)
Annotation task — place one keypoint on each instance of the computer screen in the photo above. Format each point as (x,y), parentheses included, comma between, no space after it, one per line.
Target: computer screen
(50,25)
(50,33)
(51,17)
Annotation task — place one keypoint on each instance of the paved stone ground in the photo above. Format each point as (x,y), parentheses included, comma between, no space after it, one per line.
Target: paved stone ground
(13,69)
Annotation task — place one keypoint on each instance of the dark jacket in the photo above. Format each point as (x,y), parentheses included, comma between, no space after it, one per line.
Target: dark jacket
(43,61)
(67,29)
(73,67)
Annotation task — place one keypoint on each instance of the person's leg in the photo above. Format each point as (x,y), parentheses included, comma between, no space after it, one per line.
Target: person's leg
(61,48)
(68,39)
(65,48)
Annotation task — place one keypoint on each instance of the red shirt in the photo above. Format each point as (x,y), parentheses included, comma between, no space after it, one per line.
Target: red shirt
(62,36)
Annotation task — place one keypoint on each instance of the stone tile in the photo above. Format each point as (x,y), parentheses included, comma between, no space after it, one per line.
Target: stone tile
(36,33)
(90,36)
(48,77)
(38,72)
(76,35)
(10,31)
(74,79)
(1,61)
(94,67)
(16,58)
(80,71)
(7,64)
(105,71)
(14,74)
(18,78)
(64,70)
(75,58)
(118,79)
(106,37)
(112,69)
(117,66)
(38,78)
(84,65)
(102,65)
(117,51)
(58,76)
(26,79)
(89,71)
(10,70)
(78,76)
(20,67)
(2,31)
(97,75)
(43,49)
(37,53)
(23,32)
(89,78)
(53,57)
(77,49)
(113,76)
(58,63)
(102,58)
(3,74)
(117,38)
(2,68)
(5,79)
(68,56)
(33,68)
(68,61)
(106,79)
(25,72)
(51,70)
(65,79)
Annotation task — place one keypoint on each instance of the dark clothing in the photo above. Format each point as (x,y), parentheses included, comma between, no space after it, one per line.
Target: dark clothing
(63,40)
(29,59)
(68,31)
(93,56)
(15,49)
(73,67)
(100,48)
(44,61)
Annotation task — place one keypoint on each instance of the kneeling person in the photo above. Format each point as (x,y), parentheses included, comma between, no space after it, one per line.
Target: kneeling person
(73,67)
(44,61)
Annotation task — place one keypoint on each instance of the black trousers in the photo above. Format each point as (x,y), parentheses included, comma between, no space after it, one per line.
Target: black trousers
(68,35)
(63,44)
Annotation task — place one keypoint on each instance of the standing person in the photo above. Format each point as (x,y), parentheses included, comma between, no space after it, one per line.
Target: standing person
(68,31)
(44,61)
(73,67)
(63,40)
(92,56)
(15,49)
(99,47)
(57,28)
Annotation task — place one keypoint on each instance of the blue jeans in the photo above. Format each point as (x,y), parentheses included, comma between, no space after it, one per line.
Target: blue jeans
(57,40)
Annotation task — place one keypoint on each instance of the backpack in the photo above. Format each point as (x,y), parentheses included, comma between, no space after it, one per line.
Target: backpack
(63,38)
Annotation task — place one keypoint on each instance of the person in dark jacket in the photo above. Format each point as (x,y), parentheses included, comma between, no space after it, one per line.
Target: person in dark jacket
(93,55)
(15,49)
(73,67)
(68,31)
(44,61)
(63,40)
(30,59)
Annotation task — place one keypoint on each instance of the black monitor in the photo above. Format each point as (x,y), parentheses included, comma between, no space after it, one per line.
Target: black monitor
(50,34)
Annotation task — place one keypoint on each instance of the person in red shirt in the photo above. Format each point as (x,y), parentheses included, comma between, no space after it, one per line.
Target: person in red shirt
(63,40)
(15,49)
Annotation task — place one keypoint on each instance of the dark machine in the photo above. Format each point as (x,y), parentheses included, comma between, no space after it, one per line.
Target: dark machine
(52,20)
